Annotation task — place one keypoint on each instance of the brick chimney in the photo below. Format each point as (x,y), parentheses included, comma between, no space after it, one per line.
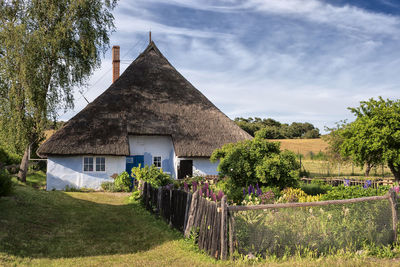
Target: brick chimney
(115,62)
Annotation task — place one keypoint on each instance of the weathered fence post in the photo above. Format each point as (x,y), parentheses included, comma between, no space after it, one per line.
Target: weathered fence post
(224,249)
(393,204)
(187,209)
(192,212)
(231,235)
(144,194)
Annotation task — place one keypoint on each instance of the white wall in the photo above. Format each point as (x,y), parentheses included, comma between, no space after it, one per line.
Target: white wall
(151,146)
(203,166)
(63,171)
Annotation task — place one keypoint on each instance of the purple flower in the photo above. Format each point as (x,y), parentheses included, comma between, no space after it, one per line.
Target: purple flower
(244,192)
(200,191)
(367,184)
(208,192)
(250,189)
(259,192)
(257,186)
(397,189)
(213,197)
(346,182)
(220,195)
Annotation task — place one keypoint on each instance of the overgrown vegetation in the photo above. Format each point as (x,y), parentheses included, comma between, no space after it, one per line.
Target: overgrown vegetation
(272,129)
(373,138)
(153,175)
(6,185)
(257,161)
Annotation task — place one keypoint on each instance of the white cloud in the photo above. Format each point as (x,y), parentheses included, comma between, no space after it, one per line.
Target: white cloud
(291,69)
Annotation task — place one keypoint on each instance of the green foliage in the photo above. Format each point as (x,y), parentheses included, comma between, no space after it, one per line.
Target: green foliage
(257,161)
(7,158)
(322,230)
(315,188)
(6,185)
(374,137)
(291,195)
(347,192)
(272,129)
(123,182)
(233,193)
(110,187)
(46,49)
(153,175)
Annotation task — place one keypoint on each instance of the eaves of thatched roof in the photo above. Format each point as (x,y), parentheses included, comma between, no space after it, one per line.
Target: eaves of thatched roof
(150,98)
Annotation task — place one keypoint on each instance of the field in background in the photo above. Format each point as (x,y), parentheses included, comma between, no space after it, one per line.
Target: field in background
(323,168)
(303,146)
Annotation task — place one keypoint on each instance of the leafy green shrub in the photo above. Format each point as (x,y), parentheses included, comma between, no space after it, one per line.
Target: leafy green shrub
(8,158)
(110,187)
(291,195)
(347,192)
(315,188)
(257,161)
(232,192)
(123,182)
(6,185)
(153,175)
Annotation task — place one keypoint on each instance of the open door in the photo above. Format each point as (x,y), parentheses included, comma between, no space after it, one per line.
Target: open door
(185,169)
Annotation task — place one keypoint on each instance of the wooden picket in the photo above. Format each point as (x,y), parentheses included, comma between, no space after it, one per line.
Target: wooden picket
(191,213)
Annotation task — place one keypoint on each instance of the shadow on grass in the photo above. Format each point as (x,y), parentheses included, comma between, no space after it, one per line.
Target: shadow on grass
(38,224)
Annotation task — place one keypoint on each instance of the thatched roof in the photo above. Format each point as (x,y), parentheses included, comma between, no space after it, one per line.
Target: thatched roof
(150,98)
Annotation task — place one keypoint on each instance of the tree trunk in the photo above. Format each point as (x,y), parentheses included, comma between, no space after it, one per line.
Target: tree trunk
(395,170)
(368,168)
(23,168)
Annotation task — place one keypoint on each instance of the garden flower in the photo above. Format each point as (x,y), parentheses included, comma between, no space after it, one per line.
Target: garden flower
(310,210)
(346,182)
(250,189)
(397,189)
(213,197)
(220,195)
(244,192)
(259,191)
(367,184)
(345,211)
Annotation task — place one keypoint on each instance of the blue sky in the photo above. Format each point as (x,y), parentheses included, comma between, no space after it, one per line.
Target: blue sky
(291,60)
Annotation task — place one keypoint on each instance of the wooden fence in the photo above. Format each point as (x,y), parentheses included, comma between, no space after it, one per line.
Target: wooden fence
(191,214)
(214,223)
(340,181)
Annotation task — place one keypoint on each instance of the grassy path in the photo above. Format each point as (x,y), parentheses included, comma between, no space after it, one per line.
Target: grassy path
(39,228)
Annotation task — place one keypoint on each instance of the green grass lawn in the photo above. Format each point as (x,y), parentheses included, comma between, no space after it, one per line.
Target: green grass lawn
(39,228)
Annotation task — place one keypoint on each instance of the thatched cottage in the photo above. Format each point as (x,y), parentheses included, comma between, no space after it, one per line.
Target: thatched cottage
(150,115)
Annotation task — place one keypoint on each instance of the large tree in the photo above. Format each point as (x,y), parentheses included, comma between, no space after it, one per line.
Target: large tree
(47,47)
(374,137)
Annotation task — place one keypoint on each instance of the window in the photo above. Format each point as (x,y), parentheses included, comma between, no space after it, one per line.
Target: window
(100,164)
(87,164)
(157,162)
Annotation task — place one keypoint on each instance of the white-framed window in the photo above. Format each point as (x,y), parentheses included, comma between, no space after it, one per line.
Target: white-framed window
(88,164)
(157,161)
(100,164)
(91,164)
